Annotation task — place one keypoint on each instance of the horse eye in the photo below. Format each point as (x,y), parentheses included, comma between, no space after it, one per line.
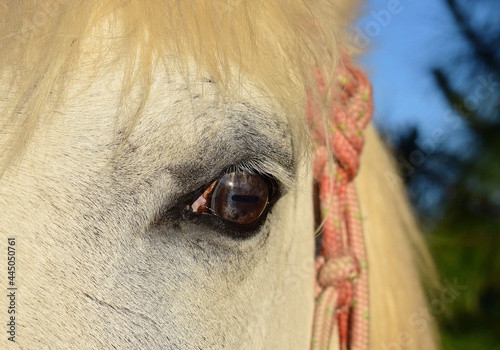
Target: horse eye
(238,197)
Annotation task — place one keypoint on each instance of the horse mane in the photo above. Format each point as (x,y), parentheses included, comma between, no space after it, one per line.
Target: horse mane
(398,259)
(279,44)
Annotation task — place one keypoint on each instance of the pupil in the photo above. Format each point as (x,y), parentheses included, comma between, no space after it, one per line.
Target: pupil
(240,197)
(245,199)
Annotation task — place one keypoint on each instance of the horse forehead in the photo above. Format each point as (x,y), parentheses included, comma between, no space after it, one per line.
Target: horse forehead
(187,121)
(199,105)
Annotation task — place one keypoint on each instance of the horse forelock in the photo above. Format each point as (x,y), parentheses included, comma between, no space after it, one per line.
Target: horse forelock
(276,45)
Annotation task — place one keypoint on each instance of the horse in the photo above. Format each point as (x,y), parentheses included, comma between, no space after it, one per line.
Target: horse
(124,126)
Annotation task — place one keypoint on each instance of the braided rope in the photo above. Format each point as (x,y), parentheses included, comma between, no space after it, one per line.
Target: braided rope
(342,279)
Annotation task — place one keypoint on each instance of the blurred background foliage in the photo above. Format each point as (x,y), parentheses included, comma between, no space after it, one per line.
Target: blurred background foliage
(455,187)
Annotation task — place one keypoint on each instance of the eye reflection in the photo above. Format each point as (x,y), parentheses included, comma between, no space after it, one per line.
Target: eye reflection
(237,197)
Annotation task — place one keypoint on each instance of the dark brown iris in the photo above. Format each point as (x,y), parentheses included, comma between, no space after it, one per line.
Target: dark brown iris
(240,197)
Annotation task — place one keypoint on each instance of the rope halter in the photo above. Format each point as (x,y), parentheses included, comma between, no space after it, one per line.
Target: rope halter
(341,289)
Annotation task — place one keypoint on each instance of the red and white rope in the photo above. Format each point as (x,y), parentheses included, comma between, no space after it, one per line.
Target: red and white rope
(342,276)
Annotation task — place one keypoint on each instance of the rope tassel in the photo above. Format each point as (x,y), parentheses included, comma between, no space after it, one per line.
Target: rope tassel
(341,289)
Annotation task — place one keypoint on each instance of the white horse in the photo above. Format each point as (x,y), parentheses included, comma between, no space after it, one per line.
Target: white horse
(116,117)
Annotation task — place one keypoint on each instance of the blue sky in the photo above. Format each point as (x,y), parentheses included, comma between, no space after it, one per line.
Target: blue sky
(406,38)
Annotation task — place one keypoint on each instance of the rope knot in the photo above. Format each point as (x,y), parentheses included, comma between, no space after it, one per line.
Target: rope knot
(337,270)
(339,273)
